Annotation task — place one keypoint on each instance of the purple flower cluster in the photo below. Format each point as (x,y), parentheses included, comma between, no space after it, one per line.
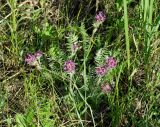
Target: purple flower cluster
(30,59)
(100,17)
(106,88)
(109,64)
(69,66)
(101,70)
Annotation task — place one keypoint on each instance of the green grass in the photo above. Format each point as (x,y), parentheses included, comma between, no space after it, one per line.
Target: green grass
(44,95)
(126,33)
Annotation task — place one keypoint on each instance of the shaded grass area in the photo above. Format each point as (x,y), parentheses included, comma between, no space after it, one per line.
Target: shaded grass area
(44,95)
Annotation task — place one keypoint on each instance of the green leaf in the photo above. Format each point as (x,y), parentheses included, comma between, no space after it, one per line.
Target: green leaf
(20,120)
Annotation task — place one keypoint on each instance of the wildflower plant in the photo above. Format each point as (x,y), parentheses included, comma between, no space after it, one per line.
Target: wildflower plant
(76,71)
(104,65)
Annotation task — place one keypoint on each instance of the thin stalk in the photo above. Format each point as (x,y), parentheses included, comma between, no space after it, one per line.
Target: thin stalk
(126,33)
(148,12)
(72,98)
(146,4)
(117,110)
(14,41)
(83,98)
(85,82)
(84,71)
(150,23)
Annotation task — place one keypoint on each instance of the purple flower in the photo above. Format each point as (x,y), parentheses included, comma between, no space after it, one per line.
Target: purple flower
(38,54)
(30,59)
(69,66)
(101,70)
(106,88)
(111,62)
(100,17)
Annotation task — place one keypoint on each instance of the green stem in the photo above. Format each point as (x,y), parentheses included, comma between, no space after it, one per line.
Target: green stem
(72,97)
(148,12)
(83,98)
(14,26)
(126,33)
